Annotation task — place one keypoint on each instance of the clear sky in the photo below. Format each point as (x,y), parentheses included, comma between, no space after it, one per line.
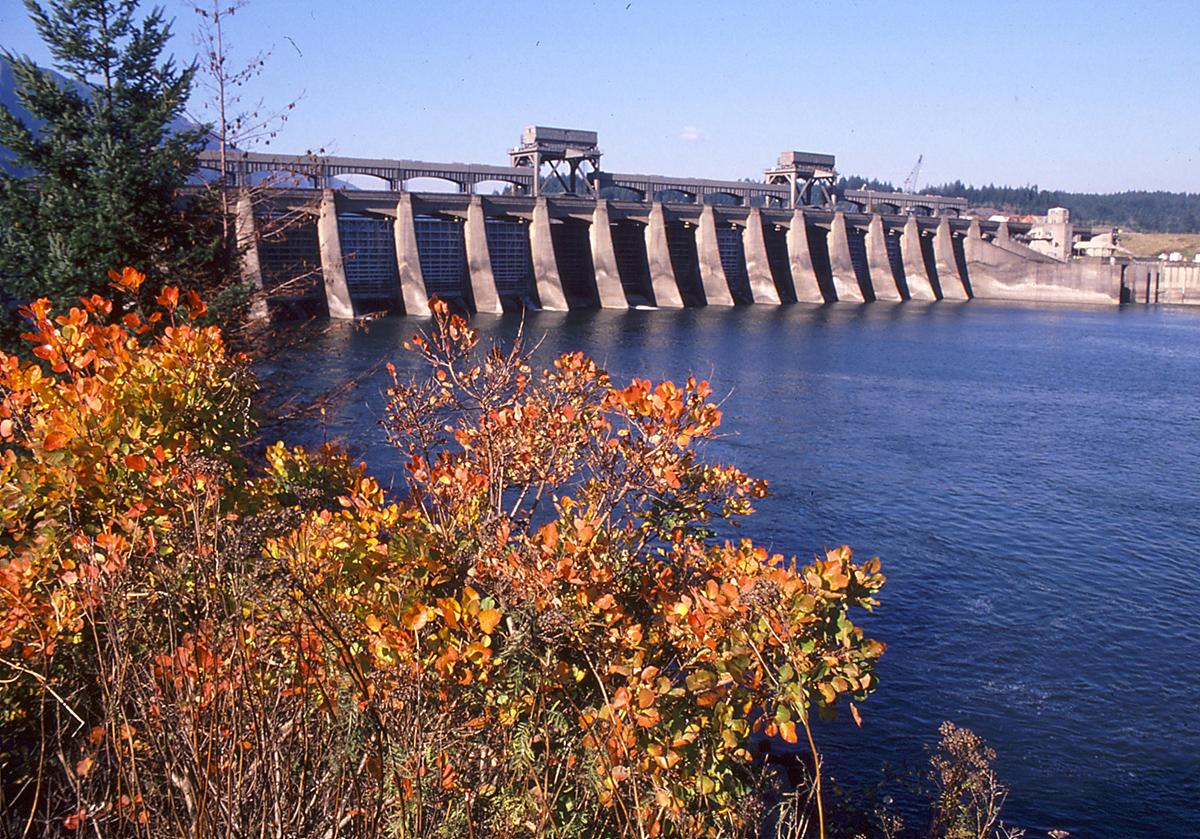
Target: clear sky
(1096,96)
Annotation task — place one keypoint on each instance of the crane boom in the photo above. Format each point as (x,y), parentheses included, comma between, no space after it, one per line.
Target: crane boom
(910,183)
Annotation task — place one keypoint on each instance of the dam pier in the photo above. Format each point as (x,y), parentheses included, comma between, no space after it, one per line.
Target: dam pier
(565,234)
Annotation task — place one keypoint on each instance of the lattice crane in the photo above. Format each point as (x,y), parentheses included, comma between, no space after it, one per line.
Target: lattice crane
(910,183)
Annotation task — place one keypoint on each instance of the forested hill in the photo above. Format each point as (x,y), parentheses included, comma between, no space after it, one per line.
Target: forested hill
(1167,212)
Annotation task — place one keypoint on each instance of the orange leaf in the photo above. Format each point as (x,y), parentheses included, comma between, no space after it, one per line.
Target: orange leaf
(129,279)
(169,298)
(488,619)
(84,766)
(135,462)
(787,730)
(54,440)
(549,535)
(416,617)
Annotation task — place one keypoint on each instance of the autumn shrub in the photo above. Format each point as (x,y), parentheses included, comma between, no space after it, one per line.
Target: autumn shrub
(967,794)
(548,629)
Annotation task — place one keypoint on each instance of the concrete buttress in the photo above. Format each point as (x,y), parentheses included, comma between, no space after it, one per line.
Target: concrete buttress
(408,260)
(246,230)
(479,260)
(804,276)
(333,270)
(658,256)
(604,260)
(949,279)
(545,265)
(758,265)
(712,273)
(845,280)
(919,286)
(883,281)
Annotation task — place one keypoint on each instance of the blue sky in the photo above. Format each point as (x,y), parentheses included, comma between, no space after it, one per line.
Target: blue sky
(1098,96)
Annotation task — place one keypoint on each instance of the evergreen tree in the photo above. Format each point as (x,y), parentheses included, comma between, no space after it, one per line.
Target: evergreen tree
(107,165)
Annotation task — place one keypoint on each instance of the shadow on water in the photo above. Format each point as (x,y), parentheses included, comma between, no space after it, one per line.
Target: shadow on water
(1028,475)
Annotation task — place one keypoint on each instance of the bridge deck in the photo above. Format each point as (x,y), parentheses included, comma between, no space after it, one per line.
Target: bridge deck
(242,166)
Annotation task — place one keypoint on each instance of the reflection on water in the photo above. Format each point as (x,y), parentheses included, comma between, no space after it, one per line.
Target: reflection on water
(1029,476)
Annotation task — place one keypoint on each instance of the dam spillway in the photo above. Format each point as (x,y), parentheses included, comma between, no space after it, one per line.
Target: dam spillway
(584,237)
(375,250)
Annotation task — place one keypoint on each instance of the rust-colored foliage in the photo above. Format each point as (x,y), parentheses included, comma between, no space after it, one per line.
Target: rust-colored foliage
(95,447)
(543,633)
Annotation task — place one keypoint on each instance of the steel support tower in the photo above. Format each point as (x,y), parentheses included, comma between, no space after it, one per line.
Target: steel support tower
(810,178)
(572,155)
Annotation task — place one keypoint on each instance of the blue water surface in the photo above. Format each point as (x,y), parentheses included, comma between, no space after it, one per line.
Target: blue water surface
(1029,476)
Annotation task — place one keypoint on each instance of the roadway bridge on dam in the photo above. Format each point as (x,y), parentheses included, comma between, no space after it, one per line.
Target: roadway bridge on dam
(609,240)
(246,169)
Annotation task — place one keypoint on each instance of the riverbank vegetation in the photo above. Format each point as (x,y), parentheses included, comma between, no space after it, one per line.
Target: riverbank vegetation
(542,635)
(551,627)
(1139,210)
(549,630)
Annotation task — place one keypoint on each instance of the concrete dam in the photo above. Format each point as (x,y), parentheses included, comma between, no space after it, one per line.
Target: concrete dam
(583,237)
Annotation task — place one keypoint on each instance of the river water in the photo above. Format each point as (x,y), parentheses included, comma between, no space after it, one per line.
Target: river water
(1029,476)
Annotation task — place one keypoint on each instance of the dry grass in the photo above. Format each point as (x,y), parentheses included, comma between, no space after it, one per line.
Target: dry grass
(1152,244)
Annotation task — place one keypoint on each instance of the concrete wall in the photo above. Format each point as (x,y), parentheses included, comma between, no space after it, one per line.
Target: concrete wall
(999,274)
(1173,283)
(1179,284)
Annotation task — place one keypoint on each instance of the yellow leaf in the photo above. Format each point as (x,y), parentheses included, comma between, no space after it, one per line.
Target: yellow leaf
(787,730)
(373,623)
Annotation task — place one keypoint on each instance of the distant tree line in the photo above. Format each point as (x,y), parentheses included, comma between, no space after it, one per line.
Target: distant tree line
(1166,212)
